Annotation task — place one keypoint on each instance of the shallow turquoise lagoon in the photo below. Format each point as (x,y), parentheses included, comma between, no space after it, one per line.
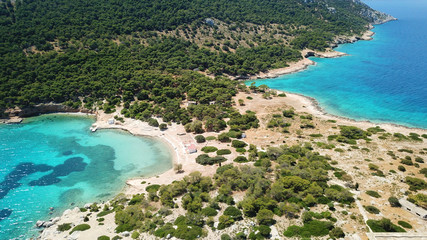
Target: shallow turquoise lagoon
(55,161)
(383,80)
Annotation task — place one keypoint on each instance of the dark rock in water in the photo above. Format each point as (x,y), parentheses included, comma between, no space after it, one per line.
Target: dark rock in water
(66,153)
(75,164)
(5,213)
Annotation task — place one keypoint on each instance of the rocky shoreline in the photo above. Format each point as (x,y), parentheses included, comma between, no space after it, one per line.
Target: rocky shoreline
(16,115)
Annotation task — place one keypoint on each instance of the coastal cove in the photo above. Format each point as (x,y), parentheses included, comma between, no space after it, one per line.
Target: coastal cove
(382,80)
(54,160)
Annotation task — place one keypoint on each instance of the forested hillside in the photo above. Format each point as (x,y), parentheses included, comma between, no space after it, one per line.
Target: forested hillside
(85,52)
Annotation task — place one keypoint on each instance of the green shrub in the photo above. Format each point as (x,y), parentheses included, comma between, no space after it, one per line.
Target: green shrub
(265,217)
(404,224)
(225,236)
(373,167)
(209,212)
(210,138)
(264,230)
(81,227)
(240,150)
(240,159)
(419,199)
(372,209)
(163,126)
(292,231)
(64,227)
(234,134)
(401,168)
(238,144)
(337,232)
(373,194)
(165,230)
(288,113)
(223,152)
(233,212)
(223,137)
(103,237)
(399,136)
(311,228)
(384,225)
(152,188)
(419,160)
(104,213)
(135,235)
(117,237)
(424,171)
(153,122)
(415,137)
(394,202)
(407,162)
(375,130)
(352,132)
(188,232)
(200,139)
(415,183)
(405,150)
(316,135)
(83,209)
(209,149)
(204,159)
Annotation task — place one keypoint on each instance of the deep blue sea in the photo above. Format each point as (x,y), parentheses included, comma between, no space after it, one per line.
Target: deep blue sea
(55,161)
(383,80)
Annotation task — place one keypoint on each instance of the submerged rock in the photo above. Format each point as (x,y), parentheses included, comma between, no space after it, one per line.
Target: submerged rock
(5,213)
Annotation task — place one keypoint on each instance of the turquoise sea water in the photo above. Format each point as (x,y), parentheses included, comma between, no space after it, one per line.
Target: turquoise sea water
(383,80)
(55,161)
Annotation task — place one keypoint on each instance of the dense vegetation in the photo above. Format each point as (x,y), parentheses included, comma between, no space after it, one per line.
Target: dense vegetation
(102,54)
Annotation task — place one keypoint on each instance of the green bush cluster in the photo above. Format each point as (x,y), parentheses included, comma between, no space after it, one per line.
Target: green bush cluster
(415,183)
(238,144)
(204,159)
(384,225)
(373,194)
(200,139)
(223,152)
(209,149)
(372,209)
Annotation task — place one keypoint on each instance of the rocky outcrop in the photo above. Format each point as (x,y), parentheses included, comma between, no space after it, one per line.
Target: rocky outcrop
(46,224)
(16,114)
(374,16)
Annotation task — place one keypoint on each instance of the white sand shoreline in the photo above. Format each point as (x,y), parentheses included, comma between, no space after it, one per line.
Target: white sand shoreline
(313,107)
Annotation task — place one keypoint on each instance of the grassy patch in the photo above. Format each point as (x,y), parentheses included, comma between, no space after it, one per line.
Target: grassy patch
(81,227)
(373,194)
(64,227)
